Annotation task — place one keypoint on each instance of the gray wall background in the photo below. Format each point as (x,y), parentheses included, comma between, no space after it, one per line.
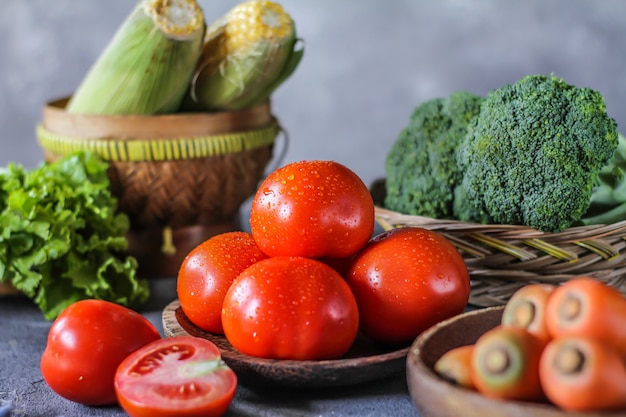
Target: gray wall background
(367,63)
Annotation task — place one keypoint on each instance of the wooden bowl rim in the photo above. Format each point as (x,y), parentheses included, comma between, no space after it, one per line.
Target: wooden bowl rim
(317,373)
(418,369)
(57,120)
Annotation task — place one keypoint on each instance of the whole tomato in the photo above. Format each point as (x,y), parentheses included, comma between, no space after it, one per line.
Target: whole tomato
(207,272)
(176,376)
(86,343)
(290,308)
(405,280)
(313,209)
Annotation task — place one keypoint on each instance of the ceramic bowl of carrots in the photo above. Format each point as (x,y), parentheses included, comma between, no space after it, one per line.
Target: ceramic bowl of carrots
(551,351)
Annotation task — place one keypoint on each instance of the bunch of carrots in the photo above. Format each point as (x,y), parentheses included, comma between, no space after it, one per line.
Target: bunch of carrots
(560,344)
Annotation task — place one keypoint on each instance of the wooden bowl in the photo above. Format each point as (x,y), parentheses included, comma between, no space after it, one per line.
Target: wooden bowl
(435,397)
(366,361)
(6,289)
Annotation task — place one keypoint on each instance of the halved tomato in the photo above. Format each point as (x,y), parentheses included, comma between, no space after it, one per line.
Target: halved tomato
(183,376)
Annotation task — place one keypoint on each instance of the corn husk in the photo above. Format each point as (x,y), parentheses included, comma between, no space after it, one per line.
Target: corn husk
(247,54)
(147,66)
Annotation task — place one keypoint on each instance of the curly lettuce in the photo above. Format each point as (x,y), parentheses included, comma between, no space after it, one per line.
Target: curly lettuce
(62,238)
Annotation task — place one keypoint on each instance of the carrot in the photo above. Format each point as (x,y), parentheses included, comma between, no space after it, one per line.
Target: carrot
(455,366)
(505,364)
(582,374)
(587,307)
(527,309)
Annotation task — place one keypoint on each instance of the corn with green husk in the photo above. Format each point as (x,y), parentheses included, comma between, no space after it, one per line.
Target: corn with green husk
(247,54)
(147,66)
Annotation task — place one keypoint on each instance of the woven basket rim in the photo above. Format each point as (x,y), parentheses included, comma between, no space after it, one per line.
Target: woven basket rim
(153,126)
(388,218)
(502,258)
(57,106)
(159,149)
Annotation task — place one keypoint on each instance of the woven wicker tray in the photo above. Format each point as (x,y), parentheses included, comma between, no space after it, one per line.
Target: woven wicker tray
(503,258)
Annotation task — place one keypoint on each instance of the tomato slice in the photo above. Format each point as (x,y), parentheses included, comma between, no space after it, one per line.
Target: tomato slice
(183,376)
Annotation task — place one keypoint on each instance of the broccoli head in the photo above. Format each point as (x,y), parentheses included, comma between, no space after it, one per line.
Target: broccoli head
(533,154)
(421,167)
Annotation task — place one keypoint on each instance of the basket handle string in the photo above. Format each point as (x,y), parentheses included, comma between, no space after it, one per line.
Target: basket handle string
(280,157)
(168,247)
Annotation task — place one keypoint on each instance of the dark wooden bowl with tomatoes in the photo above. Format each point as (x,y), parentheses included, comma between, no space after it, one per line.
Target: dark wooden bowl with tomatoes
(366,360)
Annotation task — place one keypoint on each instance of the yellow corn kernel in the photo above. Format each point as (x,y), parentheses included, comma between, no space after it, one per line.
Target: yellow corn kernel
(148,64)
(247,54)
(178,19)
(253,21)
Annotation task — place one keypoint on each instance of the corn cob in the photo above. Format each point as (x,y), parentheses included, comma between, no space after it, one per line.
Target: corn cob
(148,64)
(247,54)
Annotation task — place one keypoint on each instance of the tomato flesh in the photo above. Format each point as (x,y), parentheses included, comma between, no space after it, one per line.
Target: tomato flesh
(182,376)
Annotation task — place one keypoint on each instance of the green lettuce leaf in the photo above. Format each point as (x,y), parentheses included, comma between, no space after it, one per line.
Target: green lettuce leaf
(62,238)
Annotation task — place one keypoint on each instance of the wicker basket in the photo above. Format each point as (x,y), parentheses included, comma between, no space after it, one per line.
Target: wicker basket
(503,258)
(180,178)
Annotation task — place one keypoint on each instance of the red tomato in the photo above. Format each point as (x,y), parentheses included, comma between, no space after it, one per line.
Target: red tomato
(207,272)
(178,376)
(290,308)
(86,343)
(405,280)
(313,209)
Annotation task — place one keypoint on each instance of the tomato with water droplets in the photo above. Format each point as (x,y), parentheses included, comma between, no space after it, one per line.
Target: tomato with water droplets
(207,272)
(177,376)
(314,209)
(86,342)
(290,308)
(406,280)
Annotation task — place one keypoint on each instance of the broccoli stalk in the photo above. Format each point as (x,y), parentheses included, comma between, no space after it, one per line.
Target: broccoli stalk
(421,169)
(535,152)
(608,199)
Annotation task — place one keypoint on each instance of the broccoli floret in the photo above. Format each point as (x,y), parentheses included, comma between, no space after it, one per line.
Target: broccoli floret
(533,154)
(464,210)
(421,168)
